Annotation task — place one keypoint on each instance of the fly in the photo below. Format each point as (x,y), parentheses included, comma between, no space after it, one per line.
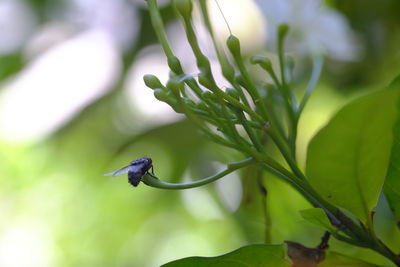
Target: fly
(135,170)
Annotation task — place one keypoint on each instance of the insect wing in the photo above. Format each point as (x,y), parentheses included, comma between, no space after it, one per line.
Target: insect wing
(126,169)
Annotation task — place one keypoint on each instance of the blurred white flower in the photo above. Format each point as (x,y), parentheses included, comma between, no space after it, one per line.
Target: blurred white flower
(17,23)
(244,19)
(48,36)
(56,85)
(313,27)
(117,18)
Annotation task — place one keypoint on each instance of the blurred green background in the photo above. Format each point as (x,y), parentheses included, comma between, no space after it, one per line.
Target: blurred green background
(73,106)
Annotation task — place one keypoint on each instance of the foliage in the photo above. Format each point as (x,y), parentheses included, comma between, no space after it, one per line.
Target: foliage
(253,255)
(362,136)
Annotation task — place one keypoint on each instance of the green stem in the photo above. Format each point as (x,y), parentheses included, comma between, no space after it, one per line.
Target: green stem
(226,68)
(265,207)
(215,89)
(220,140)
(153,181)
(282,65)
(250,86)
(286,93)
(250,131)
(158,26)
(209,118)
(231,126)
(318,62)
(289,158)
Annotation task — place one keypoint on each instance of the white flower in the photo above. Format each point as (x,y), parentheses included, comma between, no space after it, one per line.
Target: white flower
(313,28)
(117,18)
(17,23)
(56,85)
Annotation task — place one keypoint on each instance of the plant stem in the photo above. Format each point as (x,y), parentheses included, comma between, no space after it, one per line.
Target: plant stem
(318,62)
(265,206)
(153,181)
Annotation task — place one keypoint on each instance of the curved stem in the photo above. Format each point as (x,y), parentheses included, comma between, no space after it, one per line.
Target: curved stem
(153,181)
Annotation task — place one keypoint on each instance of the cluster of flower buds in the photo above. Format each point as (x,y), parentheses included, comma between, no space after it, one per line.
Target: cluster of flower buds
(240,115)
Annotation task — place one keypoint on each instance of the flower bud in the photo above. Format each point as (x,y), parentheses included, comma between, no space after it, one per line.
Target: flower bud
(175,65)
(184,8)
(233,44)
(161,95)
(283,29)
(205,81)
(264,62)
(152,81)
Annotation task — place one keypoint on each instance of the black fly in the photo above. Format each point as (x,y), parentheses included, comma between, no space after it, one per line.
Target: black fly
(135,170)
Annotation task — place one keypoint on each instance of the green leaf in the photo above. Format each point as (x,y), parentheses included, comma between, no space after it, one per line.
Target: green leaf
(318,217)
(392,182)
(252,255)
(348,159)
(339,260)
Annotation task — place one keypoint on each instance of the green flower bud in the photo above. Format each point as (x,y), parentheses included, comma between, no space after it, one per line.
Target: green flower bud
(283,29)
(161,95)
(204,64)
(184,8)
(205,81)
(233,45)
(264,62)
(166,97)
(228,71)
(152,81)
(175,65)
